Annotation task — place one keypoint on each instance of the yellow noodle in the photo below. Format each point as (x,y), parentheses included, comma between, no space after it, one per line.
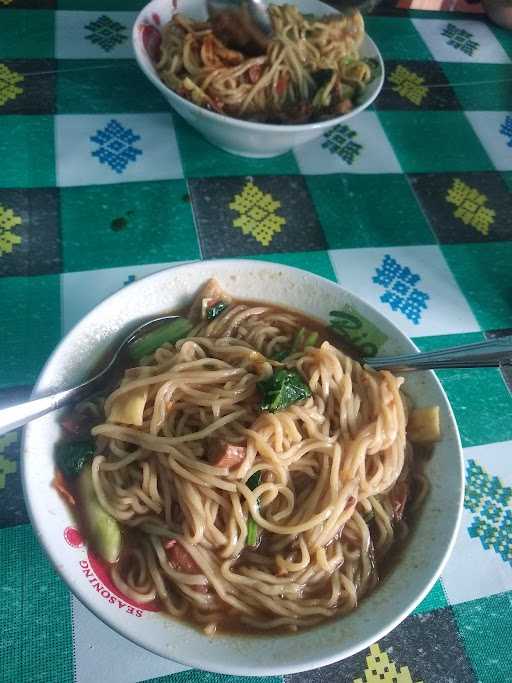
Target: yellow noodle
(280,85)
(328,466)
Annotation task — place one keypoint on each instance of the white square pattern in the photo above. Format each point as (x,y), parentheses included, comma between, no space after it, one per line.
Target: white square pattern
(412,286)
(82,291)
(100,654)
(494,128)
(474,560)
(461,40)
(359,146)
(93,35)
(94,149)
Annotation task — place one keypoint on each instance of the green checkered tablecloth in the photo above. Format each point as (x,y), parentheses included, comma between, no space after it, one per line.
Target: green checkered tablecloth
(408,205)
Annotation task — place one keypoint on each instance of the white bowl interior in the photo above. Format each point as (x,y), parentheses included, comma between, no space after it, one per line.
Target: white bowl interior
(420,563)
(238,136)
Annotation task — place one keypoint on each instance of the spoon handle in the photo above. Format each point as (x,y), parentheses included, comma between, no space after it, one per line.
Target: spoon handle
(489,353)
(18,415)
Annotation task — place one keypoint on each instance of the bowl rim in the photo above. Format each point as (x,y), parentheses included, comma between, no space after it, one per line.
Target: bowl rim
(195,661)
(254,126)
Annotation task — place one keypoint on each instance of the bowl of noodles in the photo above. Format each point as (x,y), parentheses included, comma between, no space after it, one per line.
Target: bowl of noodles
(318,69)
(245,497)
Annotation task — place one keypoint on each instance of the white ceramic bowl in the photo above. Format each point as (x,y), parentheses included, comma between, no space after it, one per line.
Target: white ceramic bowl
(234,135)
(420,563)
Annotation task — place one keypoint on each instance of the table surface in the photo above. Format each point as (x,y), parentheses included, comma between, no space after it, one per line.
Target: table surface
(408,205)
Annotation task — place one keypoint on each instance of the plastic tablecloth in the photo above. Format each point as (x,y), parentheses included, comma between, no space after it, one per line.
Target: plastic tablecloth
(408,205)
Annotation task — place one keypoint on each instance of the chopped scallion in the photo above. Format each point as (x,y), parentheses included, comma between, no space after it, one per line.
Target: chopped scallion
(298,340)
(252,532)
(281,355)
(311,339)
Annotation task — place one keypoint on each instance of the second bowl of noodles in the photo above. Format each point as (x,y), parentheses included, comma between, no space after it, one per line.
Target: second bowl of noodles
(318,70)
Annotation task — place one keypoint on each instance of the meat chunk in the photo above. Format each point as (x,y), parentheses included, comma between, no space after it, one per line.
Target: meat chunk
(254,73)
(180,558)
(224,454)
(182,561)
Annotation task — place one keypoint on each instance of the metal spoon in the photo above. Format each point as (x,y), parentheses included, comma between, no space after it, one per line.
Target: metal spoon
(241,24)
(255,11)
(482,354)
(246,25)
(16,416)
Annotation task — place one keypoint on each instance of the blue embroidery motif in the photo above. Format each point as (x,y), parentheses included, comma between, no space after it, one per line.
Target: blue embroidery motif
(130,279)
(106,33)
(488,499)
(460,39)
(340,141)
(506,129)
(116,146)
(401,293)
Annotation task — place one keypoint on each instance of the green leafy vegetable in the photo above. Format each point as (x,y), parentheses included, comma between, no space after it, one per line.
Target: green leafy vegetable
(72,456)
(252,527)
(281,355)
(373,64)
(304,338)
(215,310)
(322,77)
(298,340)
(284,388)
(311,339)
(149,343)
(254,480)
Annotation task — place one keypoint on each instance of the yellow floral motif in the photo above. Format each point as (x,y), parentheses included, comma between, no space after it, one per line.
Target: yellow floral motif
(471,209)
(381,670)
(5,2)
(257,214)
(6,466)
(8,79)
(8,220)
(408,84)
